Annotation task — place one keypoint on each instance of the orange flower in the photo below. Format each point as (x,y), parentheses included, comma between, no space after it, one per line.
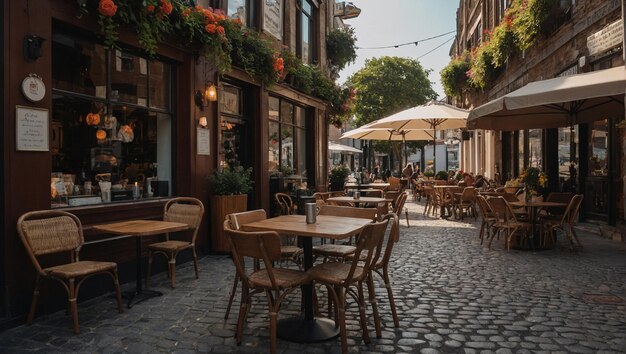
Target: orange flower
(220,30)
(211,28)
(238,22)
(186,12)
(107,8)
(150,8)
(166,7)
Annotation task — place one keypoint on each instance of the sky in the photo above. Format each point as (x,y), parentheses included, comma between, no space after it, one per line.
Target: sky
(391,22)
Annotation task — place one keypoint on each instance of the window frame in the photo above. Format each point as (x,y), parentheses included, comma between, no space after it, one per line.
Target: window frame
(312,17)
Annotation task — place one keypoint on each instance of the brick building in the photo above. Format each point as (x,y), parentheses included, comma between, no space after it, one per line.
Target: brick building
(578,36)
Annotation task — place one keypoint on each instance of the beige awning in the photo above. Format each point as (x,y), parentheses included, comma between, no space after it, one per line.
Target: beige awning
(553,103)
(343,148)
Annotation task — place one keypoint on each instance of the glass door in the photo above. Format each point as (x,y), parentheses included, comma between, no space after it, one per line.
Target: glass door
(597,181)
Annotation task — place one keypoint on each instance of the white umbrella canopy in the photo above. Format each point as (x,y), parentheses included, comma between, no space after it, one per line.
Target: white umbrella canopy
(365,133)
(342,148)
(553,103)
(432,115)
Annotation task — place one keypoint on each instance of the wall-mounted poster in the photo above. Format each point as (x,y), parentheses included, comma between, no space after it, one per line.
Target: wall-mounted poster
(273,18)
(31,129)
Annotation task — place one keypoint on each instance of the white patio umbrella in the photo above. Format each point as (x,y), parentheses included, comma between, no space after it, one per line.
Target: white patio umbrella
(432,115)
(367,133)
(553,103)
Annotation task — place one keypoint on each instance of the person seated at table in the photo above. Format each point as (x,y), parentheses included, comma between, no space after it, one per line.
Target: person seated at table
(468,179)
(407,171)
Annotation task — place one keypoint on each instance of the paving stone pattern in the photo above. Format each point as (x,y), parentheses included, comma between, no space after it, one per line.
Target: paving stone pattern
(453,295)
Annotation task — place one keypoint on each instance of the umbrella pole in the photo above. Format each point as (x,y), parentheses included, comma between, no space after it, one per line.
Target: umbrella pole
(406,156)
(434,149)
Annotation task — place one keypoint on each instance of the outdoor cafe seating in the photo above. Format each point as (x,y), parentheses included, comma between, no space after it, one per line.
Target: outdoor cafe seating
(58,232)
(183,210)
(276,283)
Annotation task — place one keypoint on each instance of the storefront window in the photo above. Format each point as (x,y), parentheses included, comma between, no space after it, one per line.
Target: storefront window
(234,128)
(111,125)
(243,10)
(306,26)
(535,158)
(287,137)
(568,158)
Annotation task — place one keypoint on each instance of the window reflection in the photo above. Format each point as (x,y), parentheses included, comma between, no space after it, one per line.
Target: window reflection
(520,156)
(598,147)
(107,135)
(287,137)
(534,148)
(568,158)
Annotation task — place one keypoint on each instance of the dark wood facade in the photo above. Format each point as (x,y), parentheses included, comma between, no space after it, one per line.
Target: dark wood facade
(26,175)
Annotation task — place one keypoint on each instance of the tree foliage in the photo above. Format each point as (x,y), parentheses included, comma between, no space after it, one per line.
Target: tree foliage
(387,85)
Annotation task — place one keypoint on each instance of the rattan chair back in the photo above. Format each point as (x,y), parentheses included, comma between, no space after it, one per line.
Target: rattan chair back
(50,231)
(468,194)
(368,248)
(285,203)
(393,237)
(399,206)
(185,210)
(502,210)
(573,209)
(484,207)
(558,197)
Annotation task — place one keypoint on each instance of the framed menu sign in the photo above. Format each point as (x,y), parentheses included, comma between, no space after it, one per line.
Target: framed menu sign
(31,129)
(203,141)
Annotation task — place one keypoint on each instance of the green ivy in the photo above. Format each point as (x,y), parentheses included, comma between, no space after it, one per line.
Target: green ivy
(231,181)
(340,49)
(523,22)
(454,76)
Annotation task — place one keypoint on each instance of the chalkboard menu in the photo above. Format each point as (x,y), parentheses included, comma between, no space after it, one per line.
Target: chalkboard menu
(31,129)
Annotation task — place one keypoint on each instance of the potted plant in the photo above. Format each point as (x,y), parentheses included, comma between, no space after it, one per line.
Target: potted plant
(230,189)
(337,177)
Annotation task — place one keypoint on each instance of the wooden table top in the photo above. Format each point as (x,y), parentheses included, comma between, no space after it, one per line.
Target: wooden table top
(365,185)
(141,227)
(360,200)
(336,227)
(523,203)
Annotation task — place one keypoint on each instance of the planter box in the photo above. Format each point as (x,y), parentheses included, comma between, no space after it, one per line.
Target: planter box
(220,206)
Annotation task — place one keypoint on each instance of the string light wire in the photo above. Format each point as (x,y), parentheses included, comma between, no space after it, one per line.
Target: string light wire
(408,43)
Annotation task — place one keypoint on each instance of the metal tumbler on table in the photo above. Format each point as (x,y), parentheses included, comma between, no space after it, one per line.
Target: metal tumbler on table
(310,210)
(357,195)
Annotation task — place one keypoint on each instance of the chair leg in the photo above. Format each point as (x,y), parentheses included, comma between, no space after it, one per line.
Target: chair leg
(406,212)
(33,304)
(341,318)
(118,292)
(272,314)
(149,270)
(232,296)
(392,302)
(73,306)
(366,335)
(243,311)
(172,268)
(372,298)
(575,237)
(195,262)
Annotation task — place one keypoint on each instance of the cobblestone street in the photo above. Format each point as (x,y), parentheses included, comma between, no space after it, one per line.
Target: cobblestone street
(453,295)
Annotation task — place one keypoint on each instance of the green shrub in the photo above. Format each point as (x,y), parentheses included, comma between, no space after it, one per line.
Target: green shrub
(231,181)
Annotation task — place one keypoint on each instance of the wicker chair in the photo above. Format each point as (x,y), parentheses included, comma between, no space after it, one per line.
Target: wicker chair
(505,220)
(234,222)
(394,184)
(276,283)
(467,202)
(381,267)
(550,226)
(399,207)
(285,204)
(342,279)
(335,251)
(184,210)
(47,232)
(487,216)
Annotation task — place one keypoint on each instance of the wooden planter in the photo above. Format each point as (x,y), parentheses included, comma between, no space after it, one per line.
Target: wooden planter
(220,206)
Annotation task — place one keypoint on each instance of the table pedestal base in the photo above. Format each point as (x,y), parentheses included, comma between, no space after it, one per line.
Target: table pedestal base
(133,297)
(299,330)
